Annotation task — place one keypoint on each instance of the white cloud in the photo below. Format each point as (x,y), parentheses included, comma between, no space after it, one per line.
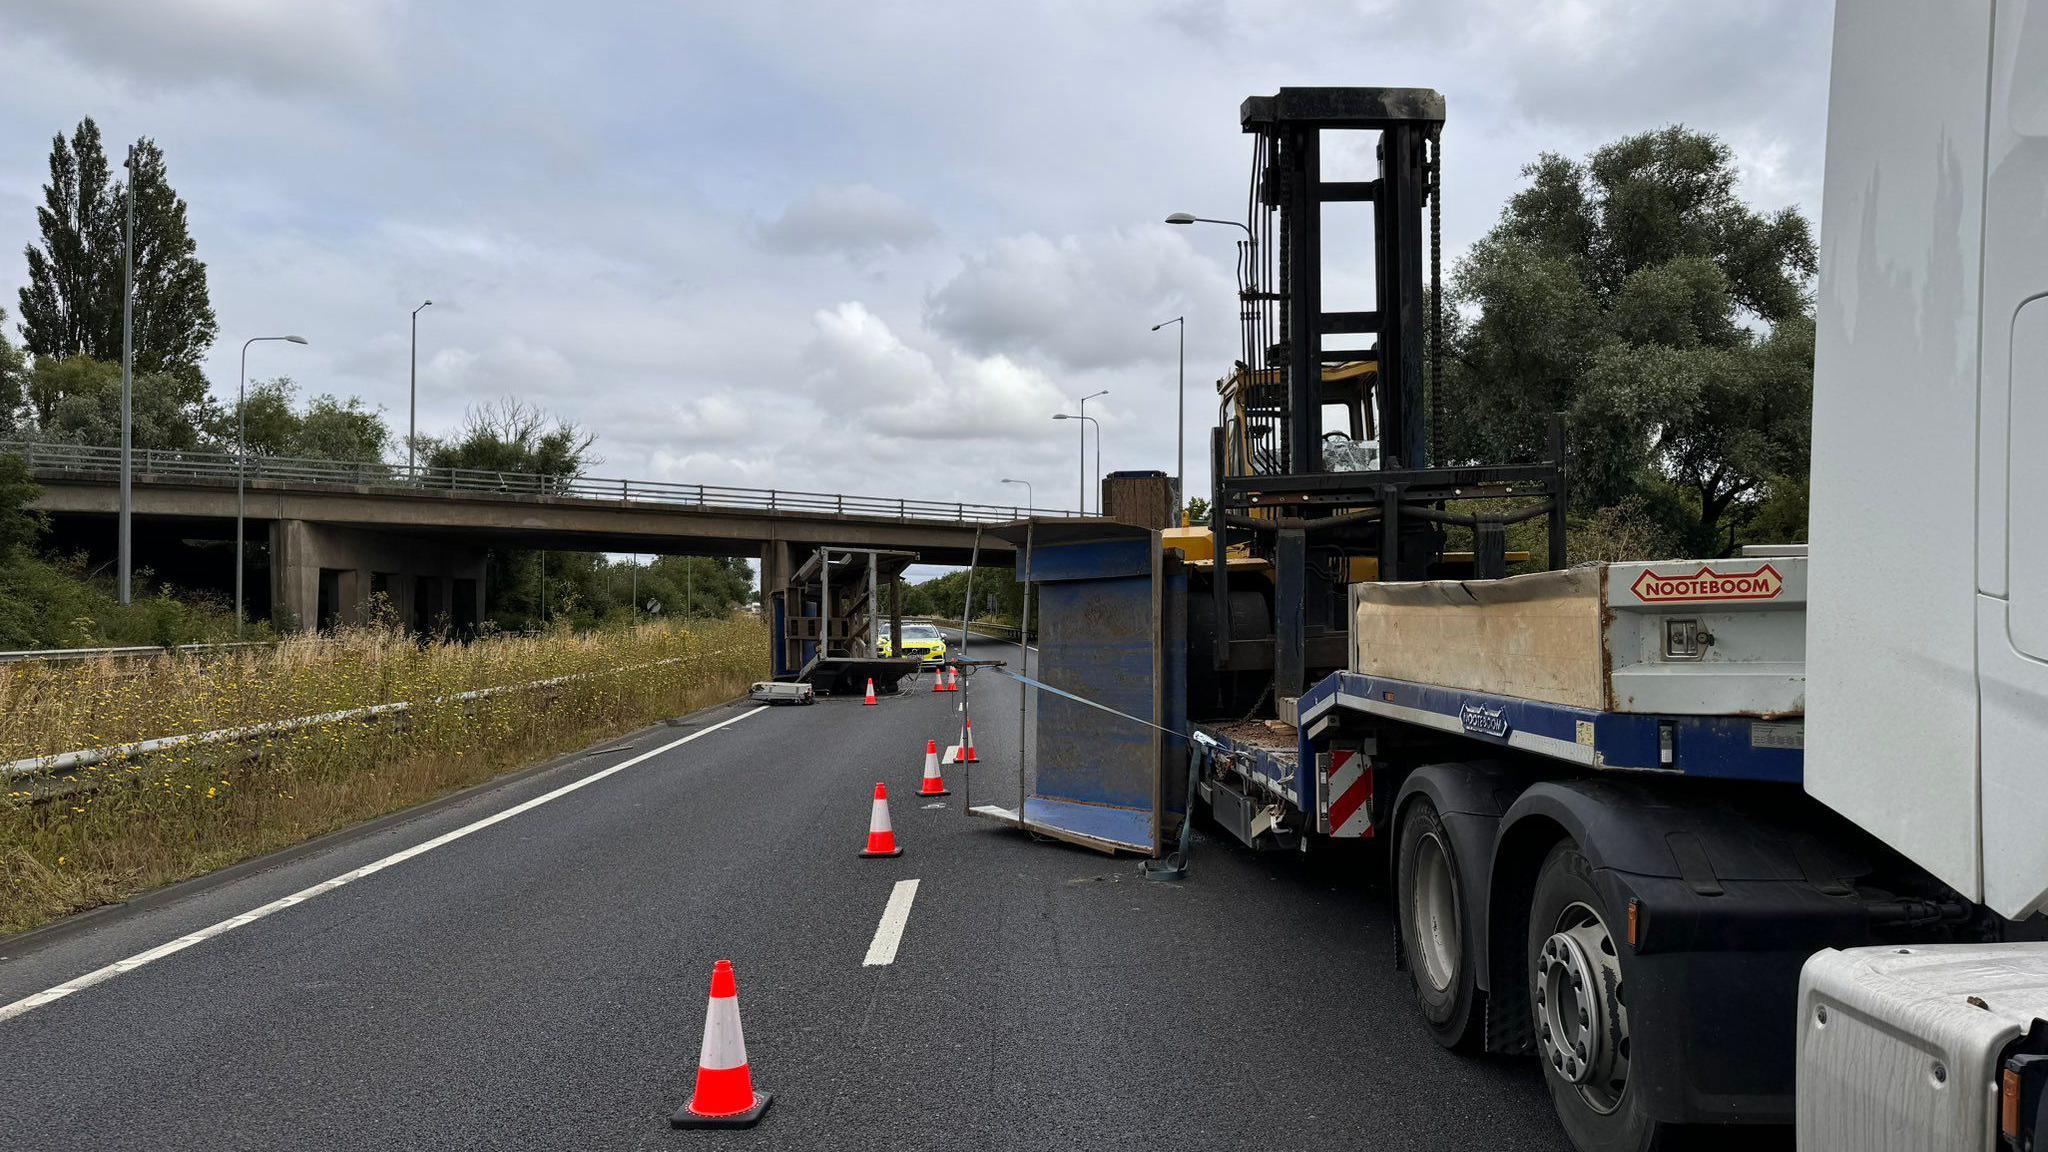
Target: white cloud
(855,220)
(1080,302)
(346,46)
(863,370)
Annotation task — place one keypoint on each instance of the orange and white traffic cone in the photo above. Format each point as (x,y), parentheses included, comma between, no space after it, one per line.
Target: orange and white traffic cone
(871,692)
(725,1096)
(934,784)
(944,674)
(881,834)
(967,741)
(939,679)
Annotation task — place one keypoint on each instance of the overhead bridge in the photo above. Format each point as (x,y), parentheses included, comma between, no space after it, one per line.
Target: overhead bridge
(336,532)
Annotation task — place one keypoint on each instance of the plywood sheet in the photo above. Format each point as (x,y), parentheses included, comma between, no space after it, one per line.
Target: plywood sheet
(1536,636)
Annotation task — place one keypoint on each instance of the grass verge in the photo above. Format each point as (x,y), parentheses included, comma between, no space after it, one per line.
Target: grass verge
(114,829)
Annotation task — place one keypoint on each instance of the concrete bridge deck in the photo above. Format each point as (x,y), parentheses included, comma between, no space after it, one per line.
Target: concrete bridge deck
(391,526)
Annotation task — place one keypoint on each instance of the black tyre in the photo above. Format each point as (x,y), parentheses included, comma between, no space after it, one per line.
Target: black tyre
(1578,1004)
(1430,899)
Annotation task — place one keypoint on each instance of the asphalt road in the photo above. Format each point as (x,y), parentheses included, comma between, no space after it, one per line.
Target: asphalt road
(540,982)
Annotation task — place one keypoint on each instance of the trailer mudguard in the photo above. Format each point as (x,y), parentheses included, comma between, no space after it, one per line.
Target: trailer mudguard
(1111,618)
(1733,890)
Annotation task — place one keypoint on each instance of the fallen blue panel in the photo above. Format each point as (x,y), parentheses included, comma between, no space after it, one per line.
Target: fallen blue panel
(1108,610)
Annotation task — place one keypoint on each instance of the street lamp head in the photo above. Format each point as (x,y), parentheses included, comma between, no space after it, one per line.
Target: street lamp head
(296,339)
(1181,218)
(1061,416)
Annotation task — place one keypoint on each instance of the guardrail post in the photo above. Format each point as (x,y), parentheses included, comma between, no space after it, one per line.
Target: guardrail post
(625,494)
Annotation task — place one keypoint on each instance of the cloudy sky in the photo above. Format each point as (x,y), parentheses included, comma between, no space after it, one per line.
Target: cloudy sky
(866,248)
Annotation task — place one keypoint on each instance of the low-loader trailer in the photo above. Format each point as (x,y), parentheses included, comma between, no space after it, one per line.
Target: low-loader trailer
(1757,839)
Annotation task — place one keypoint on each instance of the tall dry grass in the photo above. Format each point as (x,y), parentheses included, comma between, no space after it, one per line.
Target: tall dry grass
(108,831)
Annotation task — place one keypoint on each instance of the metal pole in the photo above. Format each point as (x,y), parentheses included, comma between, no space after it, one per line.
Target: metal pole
(1180,427)
(125,546)
(635,616)
(412,405)
(967,779)
(1081,480)
(241,476)
(1024,660)
(412,420)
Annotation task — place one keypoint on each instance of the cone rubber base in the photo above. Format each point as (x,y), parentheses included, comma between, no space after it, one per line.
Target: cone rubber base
(940,792)
(746,1119)
(880,855)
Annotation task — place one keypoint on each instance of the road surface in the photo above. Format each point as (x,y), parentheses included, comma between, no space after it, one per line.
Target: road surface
(539,982)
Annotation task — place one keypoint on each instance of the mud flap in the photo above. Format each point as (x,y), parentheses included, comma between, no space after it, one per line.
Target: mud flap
(1111,615)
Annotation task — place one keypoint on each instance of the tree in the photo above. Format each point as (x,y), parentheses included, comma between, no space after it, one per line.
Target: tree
(72,303)
(325,429)
(1198,510)
(1670,322)
(512,436)
(13,382)
(77,400)
(68,294)
(20,523)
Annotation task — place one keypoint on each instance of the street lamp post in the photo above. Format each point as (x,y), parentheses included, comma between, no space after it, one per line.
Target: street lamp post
(1180,431)
(412,420)
(124,531)
(1082,480)
(1087,420)
(242,462)
(1030,499)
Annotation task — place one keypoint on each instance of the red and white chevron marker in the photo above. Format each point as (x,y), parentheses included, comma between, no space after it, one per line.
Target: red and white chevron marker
(934,783)
(725,1096)
(881,834)
(871,692)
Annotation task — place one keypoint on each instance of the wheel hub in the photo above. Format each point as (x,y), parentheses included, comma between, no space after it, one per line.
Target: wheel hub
(1434,916)
(1581,1018)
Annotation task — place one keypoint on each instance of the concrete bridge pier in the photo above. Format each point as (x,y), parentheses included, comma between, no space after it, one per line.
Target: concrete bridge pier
(323,575)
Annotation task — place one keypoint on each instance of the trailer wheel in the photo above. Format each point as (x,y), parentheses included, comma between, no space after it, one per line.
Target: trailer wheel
(1431,904)
(1578,1000)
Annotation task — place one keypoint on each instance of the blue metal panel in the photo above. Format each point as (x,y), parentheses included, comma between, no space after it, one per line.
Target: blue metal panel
(1717,747)
(1130,827)
(1110,612)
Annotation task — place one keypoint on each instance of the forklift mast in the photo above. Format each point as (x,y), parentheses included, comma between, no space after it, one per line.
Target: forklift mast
(1319,506)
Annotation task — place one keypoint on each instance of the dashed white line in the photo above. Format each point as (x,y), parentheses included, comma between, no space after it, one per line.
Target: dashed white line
(99,975)
(889,933)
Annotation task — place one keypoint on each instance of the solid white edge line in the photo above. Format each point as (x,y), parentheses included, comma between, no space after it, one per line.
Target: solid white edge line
(889,933)
(98,975)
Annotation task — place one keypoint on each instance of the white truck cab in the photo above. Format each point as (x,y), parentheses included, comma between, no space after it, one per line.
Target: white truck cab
(1927,643)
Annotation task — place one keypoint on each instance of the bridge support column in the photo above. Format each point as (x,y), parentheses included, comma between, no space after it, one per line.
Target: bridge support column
(325,575)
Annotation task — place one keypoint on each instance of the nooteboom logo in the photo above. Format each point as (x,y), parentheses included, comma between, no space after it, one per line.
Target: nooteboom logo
(1484,721)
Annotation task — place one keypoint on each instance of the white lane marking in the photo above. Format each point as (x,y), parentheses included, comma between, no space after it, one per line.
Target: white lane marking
(98,975)
(941,804)
(889,933)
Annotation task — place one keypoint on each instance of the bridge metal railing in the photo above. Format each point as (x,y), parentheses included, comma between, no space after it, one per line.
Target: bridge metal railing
(156,465)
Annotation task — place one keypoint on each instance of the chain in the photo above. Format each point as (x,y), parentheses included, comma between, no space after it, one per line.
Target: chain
(1436,298)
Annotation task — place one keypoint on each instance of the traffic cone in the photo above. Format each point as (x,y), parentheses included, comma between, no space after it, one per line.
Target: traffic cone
(954,686)
(967,755)
(871,692)
(881,836)
(725,1096)
(939,679)
(934,784)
